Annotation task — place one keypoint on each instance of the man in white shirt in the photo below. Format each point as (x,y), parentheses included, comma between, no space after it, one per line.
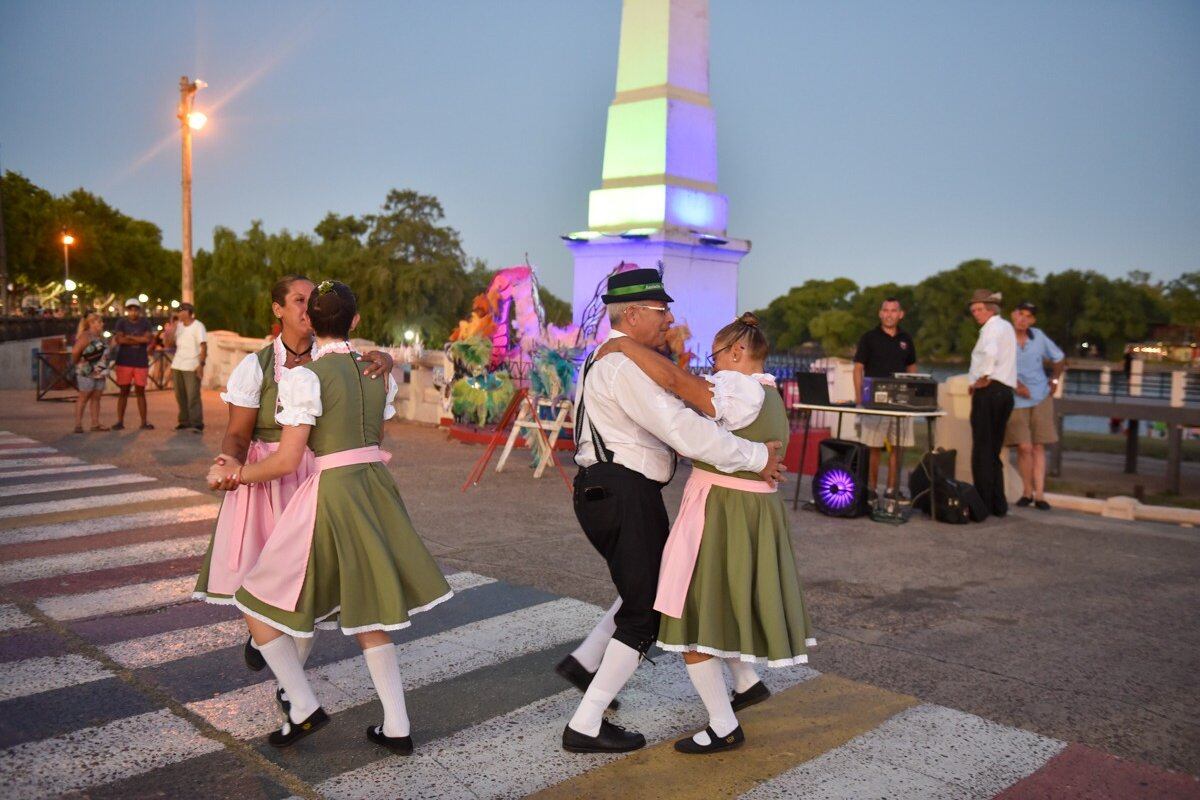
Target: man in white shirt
(628,430)
(993,377)
(187,368)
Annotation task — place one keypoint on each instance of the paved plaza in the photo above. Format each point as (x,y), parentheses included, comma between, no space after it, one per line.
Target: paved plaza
(1041,656)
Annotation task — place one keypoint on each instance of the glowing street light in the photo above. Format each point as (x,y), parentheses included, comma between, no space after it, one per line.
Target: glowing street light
(196,120)
(174,304)
(189,120)
(67,241)
(143,297)
(409,335)
(70,285)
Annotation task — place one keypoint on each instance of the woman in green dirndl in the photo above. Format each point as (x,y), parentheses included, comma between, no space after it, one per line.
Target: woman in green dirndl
(344,554)
(728,585)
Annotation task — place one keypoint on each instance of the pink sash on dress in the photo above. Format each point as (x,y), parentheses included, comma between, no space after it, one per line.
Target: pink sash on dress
(278,577)
(246,518)
(683,545)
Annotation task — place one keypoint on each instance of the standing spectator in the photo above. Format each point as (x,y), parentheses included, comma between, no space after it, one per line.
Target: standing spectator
(993,377)
(882,352)
(190,339)
(1031,426)
(132,335)
(88,357)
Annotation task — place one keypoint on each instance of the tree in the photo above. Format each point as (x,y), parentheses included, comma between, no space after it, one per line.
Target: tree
(788,319)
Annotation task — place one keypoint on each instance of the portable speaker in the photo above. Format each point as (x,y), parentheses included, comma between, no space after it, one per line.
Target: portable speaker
(840,485)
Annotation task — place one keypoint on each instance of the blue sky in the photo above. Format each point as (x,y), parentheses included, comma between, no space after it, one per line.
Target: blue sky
(876,140)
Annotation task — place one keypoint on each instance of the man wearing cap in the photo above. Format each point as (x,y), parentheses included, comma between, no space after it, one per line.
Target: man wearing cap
(993,376)
(627,433)
(190,340)
(1031,426)
(132,335)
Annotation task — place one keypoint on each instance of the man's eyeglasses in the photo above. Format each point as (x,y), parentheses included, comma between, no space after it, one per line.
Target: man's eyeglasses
(712,357)
(659,309)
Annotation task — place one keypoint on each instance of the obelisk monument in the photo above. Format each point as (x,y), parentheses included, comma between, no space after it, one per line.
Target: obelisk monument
(658,198)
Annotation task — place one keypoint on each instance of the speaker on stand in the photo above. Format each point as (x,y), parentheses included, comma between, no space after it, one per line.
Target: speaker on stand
(840,485)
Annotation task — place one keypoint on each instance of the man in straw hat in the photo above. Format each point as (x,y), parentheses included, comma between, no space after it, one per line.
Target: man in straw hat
(993,377)
(627,432)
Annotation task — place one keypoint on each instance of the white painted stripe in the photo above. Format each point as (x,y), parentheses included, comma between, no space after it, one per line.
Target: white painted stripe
(161,648)
(126,522)
(70,563)
(9,452)
(923,752)
(120,599)
(95,501)
(59,470)
(33,675)
(12,618)
(95,756)
(520,752)
(249,711)
(45,461)
(12,439)
(16,490)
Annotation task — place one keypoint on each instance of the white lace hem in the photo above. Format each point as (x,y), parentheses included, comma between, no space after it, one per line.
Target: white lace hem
(322,623)
(214,600)
(746,657)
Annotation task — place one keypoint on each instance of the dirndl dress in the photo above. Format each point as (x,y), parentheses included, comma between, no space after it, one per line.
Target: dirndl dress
(249,513)
(728,585)
(344,554)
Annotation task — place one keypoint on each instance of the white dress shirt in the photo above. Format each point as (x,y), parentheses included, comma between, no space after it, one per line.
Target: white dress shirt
(995,353)
(641,423)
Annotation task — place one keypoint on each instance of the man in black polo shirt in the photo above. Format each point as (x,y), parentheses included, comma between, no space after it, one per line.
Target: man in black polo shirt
(882,352)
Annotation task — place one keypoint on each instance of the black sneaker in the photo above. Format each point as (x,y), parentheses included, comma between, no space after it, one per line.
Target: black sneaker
(292,732)
(574,673)
(611,739)
(734,738)
(755,694)
(400,745)
(1025,502)
(183,426)
(254,659)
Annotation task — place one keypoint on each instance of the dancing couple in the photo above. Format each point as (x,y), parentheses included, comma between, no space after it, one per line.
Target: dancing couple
(721,585)
(312,532)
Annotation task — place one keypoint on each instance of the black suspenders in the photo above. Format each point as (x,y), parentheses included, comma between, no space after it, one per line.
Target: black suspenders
(603,454)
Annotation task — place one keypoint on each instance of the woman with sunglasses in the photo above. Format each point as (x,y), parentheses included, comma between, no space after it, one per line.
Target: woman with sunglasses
(728,585)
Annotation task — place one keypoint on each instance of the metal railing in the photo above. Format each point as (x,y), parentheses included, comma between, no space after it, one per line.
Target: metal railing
(1154,386)
(54,372)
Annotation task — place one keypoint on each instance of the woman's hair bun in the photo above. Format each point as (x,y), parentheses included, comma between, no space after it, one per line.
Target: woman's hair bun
(749,318)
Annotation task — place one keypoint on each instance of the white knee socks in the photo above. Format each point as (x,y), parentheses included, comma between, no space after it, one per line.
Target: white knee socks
(620,661)
(385,673)
(281,656)
(710,684)
(743,674)
(304,646)
(591,651)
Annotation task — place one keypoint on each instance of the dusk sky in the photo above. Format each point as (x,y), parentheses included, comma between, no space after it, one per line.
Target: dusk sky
(876,140)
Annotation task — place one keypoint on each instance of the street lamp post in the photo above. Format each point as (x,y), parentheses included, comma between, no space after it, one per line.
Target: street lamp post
(189,121)
(67,241)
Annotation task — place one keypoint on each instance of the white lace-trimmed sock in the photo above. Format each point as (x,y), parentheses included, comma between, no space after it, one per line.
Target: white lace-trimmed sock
(385,674)
(281,656)
(591,651)
(304,646)
(710,684)
(743,674)
(619,663)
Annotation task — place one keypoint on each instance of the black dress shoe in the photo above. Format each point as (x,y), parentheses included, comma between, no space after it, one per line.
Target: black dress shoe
(284,703)
(755,694)
(1041,505)
(611,739)
(292,732)
(729,741)
(400,745)
(183,426)
(1024,502)
(576,675)
(254,659)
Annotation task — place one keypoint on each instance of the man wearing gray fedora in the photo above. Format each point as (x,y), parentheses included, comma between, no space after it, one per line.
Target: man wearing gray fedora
(993,376)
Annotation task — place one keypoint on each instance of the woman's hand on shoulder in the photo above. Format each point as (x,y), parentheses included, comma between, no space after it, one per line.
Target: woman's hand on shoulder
(378,364)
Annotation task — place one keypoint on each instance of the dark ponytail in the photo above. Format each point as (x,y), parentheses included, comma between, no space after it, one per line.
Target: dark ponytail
(331,309)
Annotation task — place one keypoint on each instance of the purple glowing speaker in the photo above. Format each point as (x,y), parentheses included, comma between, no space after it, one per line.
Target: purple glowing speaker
(839,487)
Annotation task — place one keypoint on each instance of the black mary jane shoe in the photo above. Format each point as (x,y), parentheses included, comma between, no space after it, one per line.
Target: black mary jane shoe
(284,704)
(400,745)
(755,694)
(729,741)
(611,739)
(254,659)
(1024,502)
(292,732)
(575,674)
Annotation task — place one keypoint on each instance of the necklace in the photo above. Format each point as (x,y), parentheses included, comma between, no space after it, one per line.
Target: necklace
(300,354)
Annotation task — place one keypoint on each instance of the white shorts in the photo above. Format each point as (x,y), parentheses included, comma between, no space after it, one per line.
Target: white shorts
(873,431)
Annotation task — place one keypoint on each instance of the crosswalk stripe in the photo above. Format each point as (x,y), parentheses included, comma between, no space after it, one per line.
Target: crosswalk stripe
(149,651)
(133,597)
(46,461)
(72,485)
(12,618)
(33,675)
(97,501)
(251,710)
(87,527)
(95,756)
(923,752)
(147,553)
(59,470)
(12,439)
(25,451)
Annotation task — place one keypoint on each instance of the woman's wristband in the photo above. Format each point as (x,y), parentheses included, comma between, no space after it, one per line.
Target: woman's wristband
(240,479)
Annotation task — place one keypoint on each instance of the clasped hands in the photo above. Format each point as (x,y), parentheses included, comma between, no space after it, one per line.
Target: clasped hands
(223,474)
